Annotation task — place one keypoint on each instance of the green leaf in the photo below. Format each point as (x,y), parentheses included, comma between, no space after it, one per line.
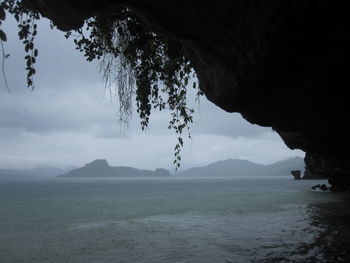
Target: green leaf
(2,13)
(3,36)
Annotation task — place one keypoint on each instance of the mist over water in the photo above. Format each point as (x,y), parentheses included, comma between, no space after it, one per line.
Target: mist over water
(255,219)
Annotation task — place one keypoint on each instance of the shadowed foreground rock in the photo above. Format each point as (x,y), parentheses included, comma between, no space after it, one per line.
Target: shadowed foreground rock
(281,64)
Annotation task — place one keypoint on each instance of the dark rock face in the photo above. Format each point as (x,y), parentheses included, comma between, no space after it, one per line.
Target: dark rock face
(311,175)
(308,173)
(296,174)
(337,171)
(281,64)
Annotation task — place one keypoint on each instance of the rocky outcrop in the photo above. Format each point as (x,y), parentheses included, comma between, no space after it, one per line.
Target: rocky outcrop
(337,171)
(296,174)
(281,64)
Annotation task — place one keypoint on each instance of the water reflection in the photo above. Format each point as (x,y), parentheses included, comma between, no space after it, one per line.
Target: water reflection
(329,229)
(333,238)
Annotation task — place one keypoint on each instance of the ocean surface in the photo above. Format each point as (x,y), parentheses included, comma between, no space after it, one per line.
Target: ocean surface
(248,219)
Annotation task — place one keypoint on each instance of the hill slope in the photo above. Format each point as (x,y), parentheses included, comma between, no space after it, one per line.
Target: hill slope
(235,167)
(101,168)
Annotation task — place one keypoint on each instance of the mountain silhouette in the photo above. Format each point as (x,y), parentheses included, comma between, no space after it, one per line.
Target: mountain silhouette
(101,168)
(236,167)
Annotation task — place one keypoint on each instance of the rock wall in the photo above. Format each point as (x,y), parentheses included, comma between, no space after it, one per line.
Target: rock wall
(337,171)
(281,64)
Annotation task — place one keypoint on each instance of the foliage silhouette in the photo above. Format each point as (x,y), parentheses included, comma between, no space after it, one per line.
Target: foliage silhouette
(137,62)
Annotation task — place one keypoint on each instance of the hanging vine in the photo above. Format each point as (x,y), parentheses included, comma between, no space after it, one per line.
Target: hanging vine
(27,30)
(137,62)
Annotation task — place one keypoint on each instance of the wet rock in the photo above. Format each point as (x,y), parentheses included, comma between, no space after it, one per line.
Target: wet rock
(315,186)
(323,187)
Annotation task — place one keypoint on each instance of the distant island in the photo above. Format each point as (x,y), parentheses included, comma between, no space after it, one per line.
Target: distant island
(101,168)
(237,167)
(223,168)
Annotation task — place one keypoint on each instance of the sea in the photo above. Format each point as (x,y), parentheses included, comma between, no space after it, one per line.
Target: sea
(236,219)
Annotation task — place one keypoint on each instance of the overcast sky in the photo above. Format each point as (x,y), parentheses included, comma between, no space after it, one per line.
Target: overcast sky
(69,120)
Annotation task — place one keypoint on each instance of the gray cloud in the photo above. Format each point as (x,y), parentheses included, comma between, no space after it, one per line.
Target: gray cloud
(63,71)
(58,63)
(52,112)
(67,119)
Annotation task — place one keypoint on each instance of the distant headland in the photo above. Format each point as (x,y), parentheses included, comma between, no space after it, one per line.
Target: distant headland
(237,167)
(101,168)
(222,168)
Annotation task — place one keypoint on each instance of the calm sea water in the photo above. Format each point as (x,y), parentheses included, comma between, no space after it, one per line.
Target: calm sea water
(239,220)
